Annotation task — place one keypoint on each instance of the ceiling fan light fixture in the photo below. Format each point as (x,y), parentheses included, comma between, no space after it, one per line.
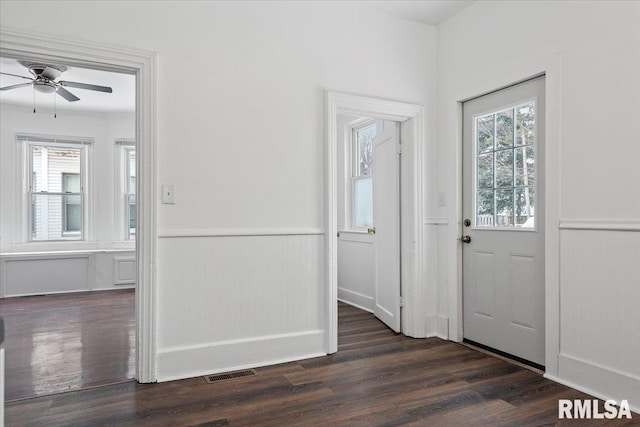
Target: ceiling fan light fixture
(44,87)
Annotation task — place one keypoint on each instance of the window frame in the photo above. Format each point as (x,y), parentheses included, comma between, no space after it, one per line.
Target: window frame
(353,168)
(84,145)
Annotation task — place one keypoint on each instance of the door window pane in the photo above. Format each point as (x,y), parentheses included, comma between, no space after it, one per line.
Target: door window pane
(485,133)
(525,124)
(525,207)
(525,166)
(484,206)
(504,129)
(485,171)
(505,167)
(504,208)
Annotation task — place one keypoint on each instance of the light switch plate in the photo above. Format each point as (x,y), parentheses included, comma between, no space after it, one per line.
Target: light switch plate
(168,193)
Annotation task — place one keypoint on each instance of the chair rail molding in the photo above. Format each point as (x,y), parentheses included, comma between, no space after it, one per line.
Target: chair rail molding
(599,224)
(239,232)
(48,47)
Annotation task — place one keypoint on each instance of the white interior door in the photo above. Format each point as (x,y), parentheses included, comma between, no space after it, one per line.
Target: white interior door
(503,214)
(386,219)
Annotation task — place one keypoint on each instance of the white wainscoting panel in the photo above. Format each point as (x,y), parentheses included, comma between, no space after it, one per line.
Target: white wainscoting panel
(356,272)
(38,275)
(599,311)
(232,301)
(124,270)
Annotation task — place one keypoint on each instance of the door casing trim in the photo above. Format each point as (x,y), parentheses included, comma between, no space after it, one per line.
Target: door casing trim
(411,181)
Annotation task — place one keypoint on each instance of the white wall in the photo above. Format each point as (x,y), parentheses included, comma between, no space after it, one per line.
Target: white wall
(104,241)
(228,72)
(591,52)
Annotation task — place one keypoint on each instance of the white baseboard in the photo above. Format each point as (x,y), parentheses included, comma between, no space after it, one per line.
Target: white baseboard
(356,299)
(437,326)
(193,361)
(598,381)
(442,327)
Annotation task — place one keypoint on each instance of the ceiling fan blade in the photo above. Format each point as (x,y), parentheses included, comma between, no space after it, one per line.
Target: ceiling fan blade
(16,86)
(87,86)
(50,73)
(15,75)
(67,95)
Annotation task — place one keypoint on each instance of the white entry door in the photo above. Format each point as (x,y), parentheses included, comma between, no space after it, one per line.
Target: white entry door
(503,214)
(386,220)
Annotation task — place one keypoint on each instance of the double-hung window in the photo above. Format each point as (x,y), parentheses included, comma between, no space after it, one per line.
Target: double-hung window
(56,180)
(362,175)
(127,187)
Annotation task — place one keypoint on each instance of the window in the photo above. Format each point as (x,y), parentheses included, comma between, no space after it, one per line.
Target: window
(130,196)
(126,189)
(361,176)
(505,168)
(55,185)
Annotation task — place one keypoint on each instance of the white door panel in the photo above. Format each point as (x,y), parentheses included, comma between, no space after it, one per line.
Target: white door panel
(386,219)
(503,187)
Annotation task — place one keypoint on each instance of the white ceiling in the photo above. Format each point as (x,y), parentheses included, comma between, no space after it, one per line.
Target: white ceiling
(431,12)
(123,98)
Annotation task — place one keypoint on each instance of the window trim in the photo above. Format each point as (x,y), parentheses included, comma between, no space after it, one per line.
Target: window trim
(25,174)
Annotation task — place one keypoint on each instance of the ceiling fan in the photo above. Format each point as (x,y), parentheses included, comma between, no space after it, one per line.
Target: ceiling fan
(44,80)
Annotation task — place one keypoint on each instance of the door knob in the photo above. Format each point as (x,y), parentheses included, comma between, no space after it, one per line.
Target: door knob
(371,230)
(466,239)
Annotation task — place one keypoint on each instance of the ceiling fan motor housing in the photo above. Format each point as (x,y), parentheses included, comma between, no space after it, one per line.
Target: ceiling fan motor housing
(44,86)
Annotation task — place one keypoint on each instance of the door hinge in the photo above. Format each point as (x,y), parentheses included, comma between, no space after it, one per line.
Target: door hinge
(401,302)
(399,147)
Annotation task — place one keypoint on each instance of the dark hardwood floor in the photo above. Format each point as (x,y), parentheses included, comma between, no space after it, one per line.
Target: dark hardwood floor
(58,343)
(377,378)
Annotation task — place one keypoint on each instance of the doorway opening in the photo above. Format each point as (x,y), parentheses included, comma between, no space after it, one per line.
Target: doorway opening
(369,216)
(68,253)
(407,121)
(140,64)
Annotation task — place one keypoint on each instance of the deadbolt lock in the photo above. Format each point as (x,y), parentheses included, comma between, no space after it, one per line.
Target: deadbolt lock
(467,222)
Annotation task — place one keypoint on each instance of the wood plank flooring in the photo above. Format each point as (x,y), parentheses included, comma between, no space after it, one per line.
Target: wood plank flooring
(57,343)
(376,378)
